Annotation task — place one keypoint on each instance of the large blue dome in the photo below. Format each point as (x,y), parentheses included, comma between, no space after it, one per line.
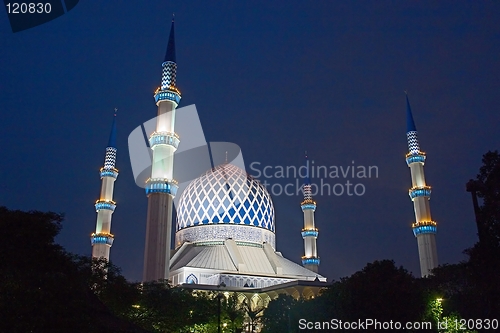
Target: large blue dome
(225,202)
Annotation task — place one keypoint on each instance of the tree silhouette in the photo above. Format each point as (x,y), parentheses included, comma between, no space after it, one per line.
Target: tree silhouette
(471,287)
(489,192)
(43,288)
(279,316)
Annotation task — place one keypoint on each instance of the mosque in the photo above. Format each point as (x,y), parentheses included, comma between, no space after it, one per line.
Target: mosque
(225,227)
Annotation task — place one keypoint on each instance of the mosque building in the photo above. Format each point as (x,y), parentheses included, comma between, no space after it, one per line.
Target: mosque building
(225,228)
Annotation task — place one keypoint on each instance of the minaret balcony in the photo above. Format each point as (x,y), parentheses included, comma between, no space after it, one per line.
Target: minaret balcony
(104,204)
(424,227)
(102,238)
(310,261)
(419,191)
(308,204)
(309,232)
(168,94)
(164,138)
(415,158)
(109,172)
(161,185)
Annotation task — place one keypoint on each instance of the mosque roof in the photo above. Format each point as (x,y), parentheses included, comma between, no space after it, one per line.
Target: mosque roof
(236,257)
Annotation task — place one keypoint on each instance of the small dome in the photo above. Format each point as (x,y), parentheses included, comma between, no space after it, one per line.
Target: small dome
(225,202)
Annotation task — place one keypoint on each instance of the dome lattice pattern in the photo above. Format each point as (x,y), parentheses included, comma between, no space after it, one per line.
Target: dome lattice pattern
(225,195)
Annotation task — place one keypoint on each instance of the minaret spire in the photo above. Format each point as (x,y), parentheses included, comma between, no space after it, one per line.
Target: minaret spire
(410,123)
(161,186)
(411,130)
(170,54)
(424,227)
(102,239)
(310,260)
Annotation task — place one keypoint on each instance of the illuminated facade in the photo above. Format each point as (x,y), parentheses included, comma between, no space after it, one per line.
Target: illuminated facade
(161,186)
(231,203)
(424,227)
(225,227)
(225,235)
(310,260)
(102,239)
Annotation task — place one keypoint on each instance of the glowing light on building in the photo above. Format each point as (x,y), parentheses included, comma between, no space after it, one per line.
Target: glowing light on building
(102,239)
(310,233)
(424,228)
(161,188)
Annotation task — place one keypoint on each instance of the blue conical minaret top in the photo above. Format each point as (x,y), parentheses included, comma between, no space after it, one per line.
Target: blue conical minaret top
(112,135)
(410,124)
(411,131)
(168,89)
(170,55)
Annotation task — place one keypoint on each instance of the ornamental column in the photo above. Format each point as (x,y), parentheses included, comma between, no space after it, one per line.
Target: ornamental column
(161,186)
(424,228)
(310,260)
(102,239)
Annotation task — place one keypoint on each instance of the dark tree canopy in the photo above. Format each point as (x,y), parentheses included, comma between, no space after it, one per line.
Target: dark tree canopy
(379,291)
(489,192)
(42,287)
(471,287)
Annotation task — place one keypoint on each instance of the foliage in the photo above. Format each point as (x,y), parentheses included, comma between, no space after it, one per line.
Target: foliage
(489,192)
(279,316)
(43,288)
(379,291)
(162,308)
(471,288)
(253,314)
(233,312)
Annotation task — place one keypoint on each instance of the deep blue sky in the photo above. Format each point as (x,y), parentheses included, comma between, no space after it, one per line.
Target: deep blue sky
(327,77)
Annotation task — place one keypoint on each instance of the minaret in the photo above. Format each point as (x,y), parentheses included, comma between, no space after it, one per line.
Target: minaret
(161,186)
(102,239)
(424,227)
(310,260)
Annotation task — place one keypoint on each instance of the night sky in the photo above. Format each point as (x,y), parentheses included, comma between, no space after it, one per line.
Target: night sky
(326,77)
